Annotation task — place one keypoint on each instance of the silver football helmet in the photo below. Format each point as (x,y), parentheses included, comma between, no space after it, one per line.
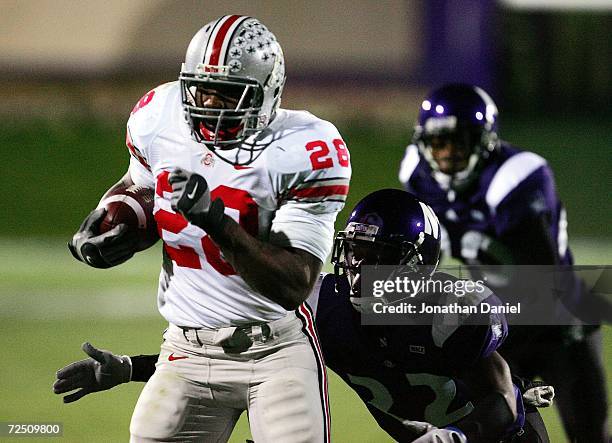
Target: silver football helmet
(237,59)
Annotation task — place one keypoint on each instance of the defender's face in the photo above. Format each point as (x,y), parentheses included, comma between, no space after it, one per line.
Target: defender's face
(360,253)
(451,154)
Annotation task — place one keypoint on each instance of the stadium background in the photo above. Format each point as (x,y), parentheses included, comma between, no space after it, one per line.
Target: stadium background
(70,72)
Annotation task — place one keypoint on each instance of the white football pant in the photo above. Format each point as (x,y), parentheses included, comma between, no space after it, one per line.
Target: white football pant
(204,379)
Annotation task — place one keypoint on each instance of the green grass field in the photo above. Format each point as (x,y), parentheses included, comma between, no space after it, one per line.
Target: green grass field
(50,304)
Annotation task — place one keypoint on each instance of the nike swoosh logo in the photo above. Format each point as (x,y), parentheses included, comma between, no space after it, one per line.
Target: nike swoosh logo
(192,193)
(240,167)
(171,357)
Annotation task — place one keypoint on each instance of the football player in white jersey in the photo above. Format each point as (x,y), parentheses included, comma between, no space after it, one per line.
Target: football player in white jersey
(246,195)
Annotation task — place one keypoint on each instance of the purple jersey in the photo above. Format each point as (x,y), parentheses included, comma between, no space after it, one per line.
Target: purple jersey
(402,372)
(511,187)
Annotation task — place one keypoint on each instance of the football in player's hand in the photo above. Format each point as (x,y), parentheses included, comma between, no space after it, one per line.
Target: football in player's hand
(134,207)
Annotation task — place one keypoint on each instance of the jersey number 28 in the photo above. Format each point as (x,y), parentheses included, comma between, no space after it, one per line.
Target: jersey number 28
(188,255)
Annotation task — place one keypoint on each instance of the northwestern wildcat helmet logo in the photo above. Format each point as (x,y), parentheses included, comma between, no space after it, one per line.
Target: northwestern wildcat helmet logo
(361,230)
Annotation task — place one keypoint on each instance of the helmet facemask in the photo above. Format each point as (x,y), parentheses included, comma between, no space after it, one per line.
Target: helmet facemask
(236,119)
(471,145)
(353,250)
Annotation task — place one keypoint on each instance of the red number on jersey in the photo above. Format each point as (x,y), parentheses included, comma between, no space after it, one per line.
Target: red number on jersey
(320,159)
(144,101)
(247,218)
(172,222)
(186,256)
(343,155)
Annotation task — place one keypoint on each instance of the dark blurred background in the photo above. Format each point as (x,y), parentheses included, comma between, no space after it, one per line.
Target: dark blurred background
(71,71)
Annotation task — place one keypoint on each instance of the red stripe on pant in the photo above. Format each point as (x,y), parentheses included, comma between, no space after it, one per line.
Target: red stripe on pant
(305,314)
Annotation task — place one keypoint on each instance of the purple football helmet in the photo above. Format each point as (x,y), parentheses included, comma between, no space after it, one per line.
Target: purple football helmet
(387,227)
(464,116)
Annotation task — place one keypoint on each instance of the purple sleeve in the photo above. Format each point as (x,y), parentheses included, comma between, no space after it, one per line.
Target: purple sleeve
(533,196)
(497,330)
(496,334)
(482,335)
(520,412)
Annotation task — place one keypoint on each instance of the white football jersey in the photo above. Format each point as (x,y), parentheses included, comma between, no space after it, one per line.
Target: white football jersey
(289,195)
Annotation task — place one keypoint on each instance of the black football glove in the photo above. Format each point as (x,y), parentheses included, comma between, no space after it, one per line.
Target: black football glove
(191,198)
(102,250)
(102,371)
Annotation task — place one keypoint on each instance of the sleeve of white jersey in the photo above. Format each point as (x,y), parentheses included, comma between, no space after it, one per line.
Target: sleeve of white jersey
(311,189)
(140,175)
(142,127)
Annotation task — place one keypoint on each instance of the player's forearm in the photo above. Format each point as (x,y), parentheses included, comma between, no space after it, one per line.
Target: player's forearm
(495,373)
(495,411)
(490,420)
(284,276)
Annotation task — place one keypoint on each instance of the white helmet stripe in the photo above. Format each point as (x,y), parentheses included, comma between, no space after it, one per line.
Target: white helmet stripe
(220,39)
(432,225)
